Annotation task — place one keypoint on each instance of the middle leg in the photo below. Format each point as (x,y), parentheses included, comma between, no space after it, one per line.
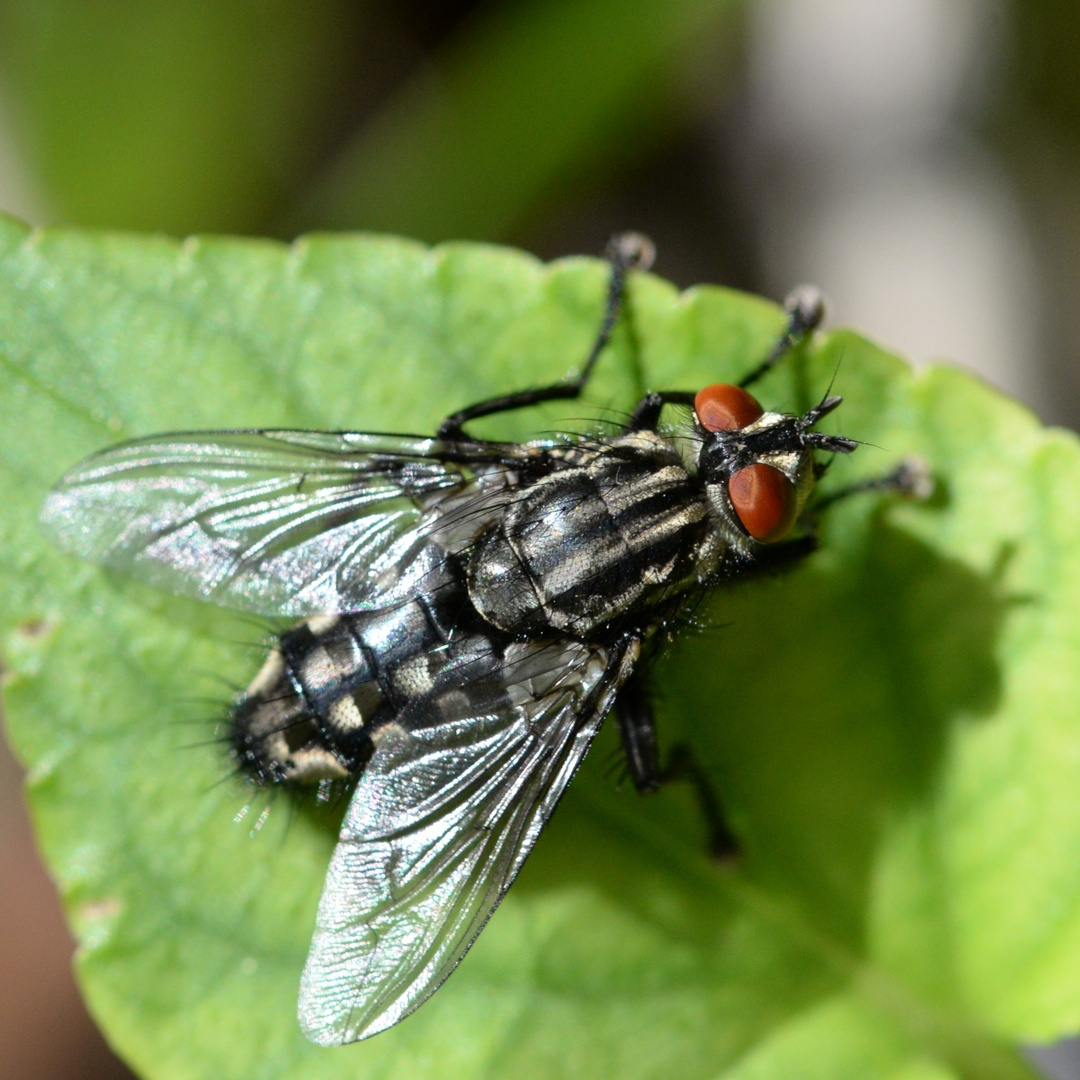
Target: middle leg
(627,252)
(804,309)
(637,732)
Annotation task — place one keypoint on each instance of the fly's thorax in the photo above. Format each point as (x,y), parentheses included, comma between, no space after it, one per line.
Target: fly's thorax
(454,522)
(590,543)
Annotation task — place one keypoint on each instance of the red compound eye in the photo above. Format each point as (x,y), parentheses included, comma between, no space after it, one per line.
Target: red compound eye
(723,407)
(764,498)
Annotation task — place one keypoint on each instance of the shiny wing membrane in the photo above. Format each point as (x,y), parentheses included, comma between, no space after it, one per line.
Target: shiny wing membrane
(289,523)
(443,817)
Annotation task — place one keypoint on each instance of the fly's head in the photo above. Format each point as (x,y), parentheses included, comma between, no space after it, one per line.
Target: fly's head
(758,466)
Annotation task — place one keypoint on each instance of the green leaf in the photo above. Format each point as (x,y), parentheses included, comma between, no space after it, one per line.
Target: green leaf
(893,726)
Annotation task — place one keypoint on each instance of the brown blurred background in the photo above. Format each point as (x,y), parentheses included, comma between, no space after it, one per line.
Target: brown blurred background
(917,159)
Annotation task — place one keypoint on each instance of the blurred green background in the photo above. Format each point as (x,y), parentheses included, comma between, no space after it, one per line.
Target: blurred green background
(918,159)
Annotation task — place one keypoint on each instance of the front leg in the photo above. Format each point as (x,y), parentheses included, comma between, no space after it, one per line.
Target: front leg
(911,477)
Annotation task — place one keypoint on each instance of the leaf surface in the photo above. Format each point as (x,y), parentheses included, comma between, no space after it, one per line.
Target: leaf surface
(893,726)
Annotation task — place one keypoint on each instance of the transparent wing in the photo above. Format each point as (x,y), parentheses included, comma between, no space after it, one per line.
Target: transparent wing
(441,821)
(273,522)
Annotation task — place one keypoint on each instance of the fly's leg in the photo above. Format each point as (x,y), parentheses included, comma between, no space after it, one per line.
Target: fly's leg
(804,309)
(684,765)
(646,414)
(637,732)
(911,478)
(770,560)
(627,252)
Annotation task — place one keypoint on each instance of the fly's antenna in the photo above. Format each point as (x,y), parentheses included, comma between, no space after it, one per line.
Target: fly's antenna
(833,444)
(836,371)
(836,444)
(820,410)
(805,309)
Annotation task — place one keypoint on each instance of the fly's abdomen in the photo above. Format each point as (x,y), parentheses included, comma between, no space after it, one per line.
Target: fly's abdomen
(586,545)
(327,688)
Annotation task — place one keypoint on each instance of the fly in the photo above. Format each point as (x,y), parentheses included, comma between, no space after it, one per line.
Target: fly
(472,610)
